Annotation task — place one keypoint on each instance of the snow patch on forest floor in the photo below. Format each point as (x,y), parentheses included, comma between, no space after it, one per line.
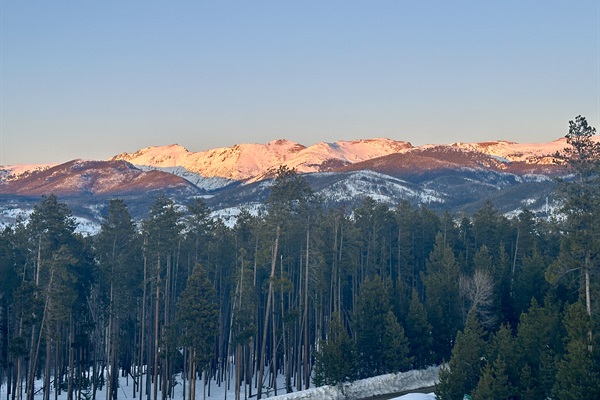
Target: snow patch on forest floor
(365,388)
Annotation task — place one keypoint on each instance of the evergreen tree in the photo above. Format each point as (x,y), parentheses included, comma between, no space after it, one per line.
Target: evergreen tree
(118,252)
(503,346)
(461,375)
(493,383)
(198,320)
(396,347)
(581,205)
(538,340)
(418,332)
(161,235)
(578,372)
(51,231)
(369,327)
(529,281)
(490,229)
(334,361)
(199,226)
(442,298)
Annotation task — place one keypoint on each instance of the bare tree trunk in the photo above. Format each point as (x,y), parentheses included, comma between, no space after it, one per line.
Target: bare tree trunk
(71,357)
(514,265)
(109,346)
(30,391)
(588,297)
(192,377)
(274,345)
(19,364)
(267,314)
(165,361)
(142,330)
(156,318)
(306,344)
(47,368)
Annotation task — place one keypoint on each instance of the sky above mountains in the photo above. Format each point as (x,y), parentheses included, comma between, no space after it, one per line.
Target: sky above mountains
(93,79)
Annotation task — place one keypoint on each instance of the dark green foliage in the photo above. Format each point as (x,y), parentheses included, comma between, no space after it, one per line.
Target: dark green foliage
(461,375)
(197,316)
(162,227)
(538,341)
(369,327)
(9,260)
(396,348)
(417,231)
(374,223)
(418,332)
(502,347)
(51,224)
(493,384)
(491,229)
(200,227)
(578,371)
(118,252)
(529,282)
(335,361)
(442,298)
(290,194)
(580,247)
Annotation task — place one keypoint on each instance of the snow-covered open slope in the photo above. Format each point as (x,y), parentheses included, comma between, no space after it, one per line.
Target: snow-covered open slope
(513,151)
(11,172)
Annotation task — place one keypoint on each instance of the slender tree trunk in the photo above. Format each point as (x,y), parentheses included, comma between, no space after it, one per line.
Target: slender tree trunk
(192,377)
(165,360)
(156,325)
(109,344)
(47,367)
(274,345)
(267,314)
(514,265)
(19,365)
(306,344)
(71,357)
(31,388)
(588,297)
(142,330)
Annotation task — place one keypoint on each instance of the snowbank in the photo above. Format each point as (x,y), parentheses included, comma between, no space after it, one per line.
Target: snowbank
(416,396)
(384,384)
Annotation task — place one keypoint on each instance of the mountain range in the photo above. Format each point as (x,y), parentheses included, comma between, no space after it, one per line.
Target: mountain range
(458,177)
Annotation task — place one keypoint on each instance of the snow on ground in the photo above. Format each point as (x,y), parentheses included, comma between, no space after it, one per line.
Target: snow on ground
(416,396)
(365,388)
(384,384)
(229,215)
(86,227)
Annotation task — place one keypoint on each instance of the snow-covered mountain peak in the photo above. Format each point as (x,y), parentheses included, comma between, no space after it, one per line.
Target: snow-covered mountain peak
(245,161)
(285,144)
(159,156)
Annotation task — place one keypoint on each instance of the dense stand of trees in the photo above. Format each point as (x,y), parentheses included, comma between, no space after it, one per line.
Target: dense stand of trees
(306,293)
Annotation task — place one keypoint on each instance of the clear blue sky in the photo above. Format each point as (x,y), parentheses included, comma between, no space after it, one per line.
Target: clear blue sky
(90,79)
